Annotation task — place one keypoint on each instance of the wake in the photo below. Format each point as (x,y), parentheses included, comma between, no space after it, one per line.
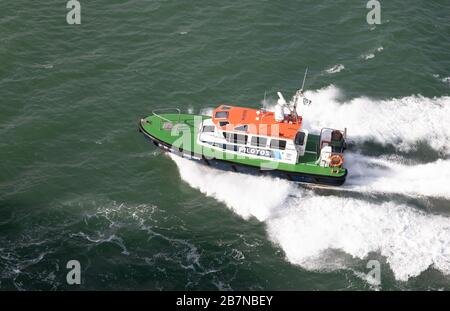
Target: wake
(307,225)
(402,122)
(389,175)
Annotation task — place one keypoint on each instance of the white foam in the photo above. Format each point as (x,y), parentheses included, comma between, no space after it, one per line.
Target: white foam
(444,80)
(225,185)
(371,54)
(307,225)
(402,122)
(368,56)
(410,241)
(368,174)
(335,69)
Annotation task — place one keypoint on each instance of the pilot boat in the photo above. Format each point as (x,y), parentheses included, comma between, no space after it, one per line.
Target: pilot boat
(253,141)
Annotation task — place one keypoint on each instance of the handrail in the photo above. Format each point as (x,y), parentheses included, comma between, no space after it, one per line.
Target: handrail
(166,109)
(344,132)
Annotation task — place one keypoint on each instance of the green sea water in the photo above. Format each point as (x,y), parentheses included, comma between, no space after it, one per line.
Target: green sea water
(77,180)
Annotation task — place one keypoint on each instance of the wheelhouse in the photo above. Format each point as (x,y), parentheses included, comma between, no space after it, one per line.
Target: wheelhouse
(254,133)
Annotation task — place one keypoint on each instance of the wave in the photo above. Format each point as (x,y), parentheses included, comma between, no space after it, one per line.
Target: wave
(388,175)
(371,54)
(211,183)
(402,122)
(368,56)
(410,240)
(445,80)
(335,69)
(307,225)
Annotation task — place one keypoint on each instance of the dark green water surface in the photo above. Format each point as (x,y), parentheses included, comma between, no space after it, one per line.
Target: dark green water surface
(77,181)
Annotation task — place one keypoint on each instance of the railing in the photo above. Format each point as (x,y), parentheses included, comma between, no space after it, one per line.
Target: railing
(343,132)
(166,109)
(162,125)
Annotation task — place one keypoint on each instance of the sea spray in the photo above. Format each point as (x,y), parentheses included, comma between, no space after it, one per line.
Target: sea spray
(410,240)
(306,225)
(386,175)
(402,122)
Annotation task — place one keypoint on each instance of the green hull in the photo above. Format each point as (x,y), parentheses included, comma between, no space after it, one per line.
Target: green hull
(183,136)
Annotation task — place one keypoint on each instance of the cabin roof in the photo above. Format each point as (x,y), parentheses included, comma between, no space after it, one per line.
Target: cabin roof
(254,121)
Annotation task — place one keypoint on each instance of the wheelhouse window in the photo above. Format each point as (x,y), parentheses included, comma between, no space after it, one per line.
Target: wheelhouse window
(300,139)
(241,128)
(221,115)
(208,129)
(258,141)
(278,144)
(235,138)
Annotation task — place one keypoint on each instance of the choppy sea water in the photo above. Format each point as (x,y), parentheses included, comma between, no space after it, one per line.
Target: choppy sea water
(78,182)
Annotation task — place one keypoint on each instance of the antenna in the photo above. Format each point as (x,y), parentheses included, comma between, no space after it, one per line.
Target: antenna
(299,94)
(304,79)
